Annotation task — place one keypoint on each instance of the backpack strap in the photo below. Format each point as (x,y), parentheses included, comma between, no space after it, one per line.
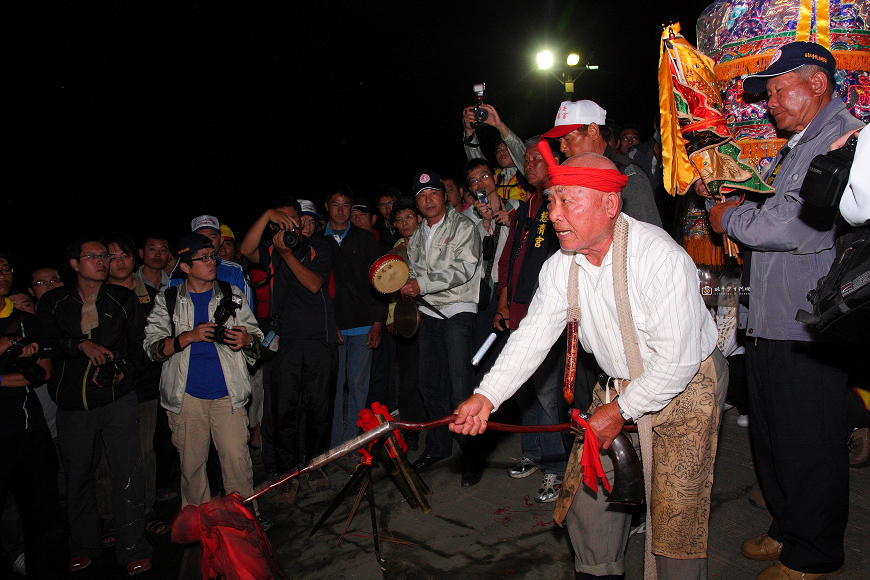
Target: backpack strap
(171,295)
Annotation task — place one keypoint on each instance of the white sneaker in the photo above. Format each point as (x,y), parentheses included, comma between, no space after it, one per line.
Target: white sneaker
(728,406)
(523,468)
(18,565)
(743,420)
(549,490)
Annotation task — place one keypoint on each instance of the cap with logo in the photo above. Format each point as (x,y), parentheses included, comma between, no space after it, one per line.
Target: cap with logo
(788,58)
(204,221)
(190,244)
(573,115)
(363,204)
(426,180)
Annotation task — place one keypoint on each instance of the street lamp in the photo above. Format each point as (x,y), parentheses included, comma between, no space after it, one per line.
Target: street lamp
(566,75)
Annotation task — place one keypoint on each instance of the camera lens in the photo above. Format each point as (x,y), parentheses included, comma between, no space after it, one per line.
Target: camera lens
(291,239)
(480,114)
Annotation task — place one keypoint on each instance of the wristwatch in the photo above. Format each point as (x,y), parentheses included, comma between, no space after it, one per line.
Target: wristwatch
(625,415)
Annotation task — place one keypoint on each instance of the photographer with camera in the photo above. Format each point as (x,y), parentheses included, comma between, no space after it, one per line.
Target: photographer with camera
(508,153)
(205,383)
(300,383)
(791,373)
(30,464)
(95,332)
(492,215)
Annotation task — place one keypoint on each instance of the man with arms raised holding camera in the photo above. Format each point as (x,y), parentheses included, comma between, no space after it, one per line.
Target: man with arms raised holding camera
(95,333)
(508,153)
(300,375)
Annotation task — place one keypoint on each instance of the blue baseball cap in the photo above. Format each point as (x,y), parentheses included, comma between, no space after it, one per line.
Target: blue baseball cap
(787,58)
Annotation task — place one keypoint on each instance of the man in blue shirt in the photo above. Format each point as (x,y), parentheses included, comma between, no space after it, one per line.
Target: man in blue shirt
(205,383)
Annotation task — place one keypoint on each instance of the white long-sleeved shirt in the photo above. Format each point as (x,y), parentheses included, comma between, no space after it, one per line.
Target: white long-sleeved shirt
(855,203)
(675,331)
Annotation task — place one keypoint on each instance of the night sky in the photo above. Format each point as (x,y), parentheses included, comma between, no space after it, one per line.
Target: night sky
(135,115)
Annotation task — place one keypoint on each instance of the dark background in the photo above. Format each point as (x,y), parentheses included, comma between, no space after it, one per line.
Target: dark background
(139,115)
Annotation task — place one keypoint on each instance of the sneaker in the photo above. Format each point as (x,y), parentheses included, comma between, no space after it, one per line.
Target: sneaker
(317,480)
(859,447)
(287,492)
(79,563)
(18,565)
(523,468)
(138,567)
(728,406)
(549,490)
(743,421)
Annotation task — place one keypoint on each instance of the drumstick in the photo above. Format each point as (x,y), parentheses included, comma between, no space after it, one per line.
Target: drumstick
(423,301)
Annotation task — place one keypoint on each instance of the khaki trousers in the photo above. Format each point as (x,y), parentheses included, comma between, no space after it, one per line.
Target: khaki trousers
(199,421)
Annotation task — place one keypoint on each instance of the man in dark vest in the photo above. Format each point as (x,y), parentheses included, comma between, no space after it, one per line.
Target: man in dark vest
(531,240)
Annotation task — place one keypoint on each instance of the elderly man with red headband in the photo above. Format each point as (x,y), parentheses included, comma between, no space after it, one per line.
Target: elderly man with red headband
(630,295)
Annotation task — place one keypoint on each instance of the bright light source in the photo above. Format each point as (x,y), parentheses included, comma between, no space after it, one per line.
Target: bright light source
(592,66)
(573,59)
(545,59)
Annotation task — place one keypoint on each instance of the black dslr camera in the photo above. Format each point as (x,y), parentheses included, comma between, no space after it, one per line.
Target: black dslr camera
(828,175)
(480,114)
(27,366)
(106,374)
(291,239)
(222,314)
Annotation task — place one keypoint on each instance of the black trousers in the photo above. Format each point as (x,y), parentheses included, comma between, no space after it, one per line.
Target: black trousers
(30,474)
(302,383)
(797,411)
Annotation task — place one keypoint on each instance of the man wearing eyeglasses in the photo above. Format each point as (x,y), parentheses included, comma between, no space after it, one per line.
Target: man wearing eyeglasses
(508,152)
(90,327)
(30,465)
(205,384)
(300,376)
(43,280)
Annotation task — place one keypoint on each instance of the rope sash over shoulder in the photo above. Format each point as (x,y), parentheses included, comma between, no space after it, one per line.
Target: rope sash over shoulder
(635,369)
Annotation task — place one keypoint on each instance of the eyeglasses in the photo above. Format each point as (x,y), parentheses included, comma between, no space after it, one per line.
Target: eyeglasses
(308,221)
(407,218)
(206,259)
(52,281)
(6,271)
(119,257)
(481,177)
(95,257)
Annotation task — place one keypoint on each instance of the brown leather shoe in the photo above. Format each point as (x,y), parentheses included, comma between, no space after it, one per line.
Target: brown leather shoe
(780,571)
(763,548)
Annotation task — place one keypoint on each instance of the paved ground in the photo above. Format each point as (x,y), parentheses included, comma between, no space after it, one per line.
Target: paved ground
(494,530)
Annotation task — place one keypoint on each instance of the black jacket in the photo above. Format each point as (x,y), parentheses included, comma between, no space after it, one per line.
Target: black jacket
(121,329)
(356,302)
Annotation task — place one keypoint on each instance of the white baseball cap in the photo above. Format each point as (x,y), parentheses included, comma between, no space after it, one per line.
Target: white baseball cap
(205,221)
(573,115)
(308,208)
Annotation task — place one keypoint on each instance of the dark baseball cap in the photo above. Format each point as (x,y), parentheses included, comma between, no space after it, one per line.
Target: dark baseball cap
(426,180)
(363,204)
(787,58)
(190,244)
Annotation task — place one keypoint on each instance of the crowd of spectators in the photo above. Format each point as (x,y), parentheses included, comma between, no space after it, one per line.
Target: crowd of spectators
(199,349)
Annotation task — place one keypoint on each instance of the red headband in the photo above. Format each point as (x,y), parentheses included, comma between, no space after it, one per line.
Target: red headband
(606,180)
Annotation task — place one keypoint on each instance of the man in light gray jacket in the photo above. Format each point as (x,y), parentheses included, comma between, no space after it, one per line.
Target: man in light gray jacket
(443,258)
(797,383)
(205,383)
